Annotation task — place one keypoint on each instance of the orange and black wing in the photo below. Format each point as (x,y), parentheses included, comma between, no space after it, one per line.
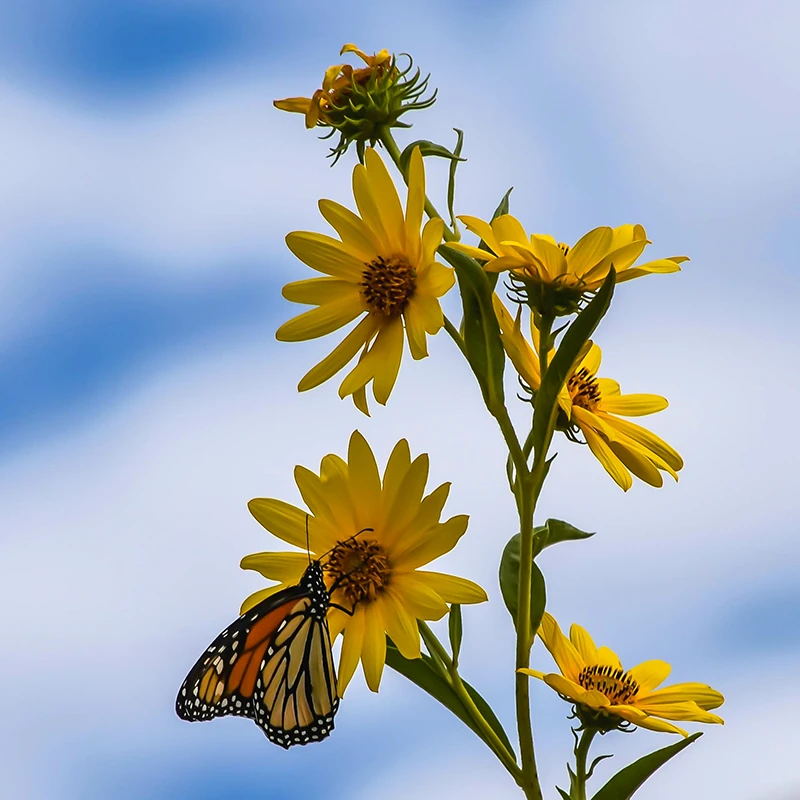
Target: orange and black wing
(223,681)
(296,699)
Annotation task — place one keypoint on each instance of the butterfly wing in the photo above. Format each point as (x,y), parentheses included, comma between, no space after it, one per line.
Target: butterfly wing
(223,681)
(296,699)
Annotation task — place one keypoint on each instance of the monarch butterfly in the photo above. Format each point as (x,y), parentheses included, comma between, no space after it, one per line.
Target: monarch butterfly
(273,665)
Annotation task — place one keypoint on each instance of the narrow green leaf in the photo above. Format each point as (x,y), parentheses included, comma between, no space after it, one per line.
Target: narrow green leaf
(570,349)
(564,795)
(509,584)
(451,182)
(554,531)
(456,630)
(503,207)
(481,329)
(623,785)
(426,148)
(423,673)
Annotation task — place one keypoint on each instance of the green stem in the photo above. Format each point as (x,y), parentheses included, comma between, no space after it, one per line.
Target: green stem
(581,756)
(487,732)
(545,327)
(456,336)
(387,140)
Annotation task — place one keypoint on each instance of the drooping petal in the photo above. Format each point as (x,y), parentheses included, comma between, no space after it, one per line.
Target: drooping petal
(606,456)
(415,331)
(400,625)
(342,354)
(650,441)
(641,719)
(321,321)
(373,653)
(298,105)
(430,313)
(388,355)
(641,466)
(352,646)
(431,239)
(383,349)
(453,589)
(564,653)
(634,405)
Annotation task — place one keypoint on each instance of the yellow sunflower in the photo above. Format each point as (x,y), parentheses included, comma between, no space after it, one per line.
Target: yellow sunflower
(372,536)
(539,263)
(336,83)
(592,406)
(380,269)
(606,695)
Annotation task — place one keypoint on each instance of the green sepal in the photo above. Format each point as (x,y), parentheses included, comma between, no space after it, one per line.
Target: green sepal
(509,585)
(424,673)
(426,148)
(572,346)
(484,349)
(623,785)
(456,631)
(554,531)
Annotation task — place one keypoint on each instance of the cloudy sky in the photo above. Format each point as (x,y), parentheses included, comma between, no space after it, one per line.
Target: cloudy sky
(147,185)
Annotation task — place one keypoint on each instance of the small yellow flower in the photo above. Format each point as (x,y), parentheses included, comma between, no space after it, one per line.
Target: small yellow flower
(591,405)
(372,536)
(382,270)
(336,85)
(554,277)
(607,696)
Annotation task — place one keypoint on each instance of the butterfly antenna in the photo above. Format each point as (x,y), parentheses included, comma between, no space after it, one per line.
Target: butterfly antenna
(348,539)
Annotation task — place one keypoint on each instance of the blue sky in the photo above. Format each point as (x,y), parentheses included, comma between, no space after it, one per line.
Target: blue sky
(147,188)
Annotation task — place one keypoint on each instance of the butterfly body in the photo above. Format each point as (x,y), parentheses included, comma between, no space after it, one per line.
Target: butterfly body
(273,665)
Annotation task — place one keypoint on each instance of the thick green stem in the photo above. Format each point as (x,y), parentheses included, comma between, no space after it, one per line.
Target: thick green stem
(581,756)
(387,140)
(487,732)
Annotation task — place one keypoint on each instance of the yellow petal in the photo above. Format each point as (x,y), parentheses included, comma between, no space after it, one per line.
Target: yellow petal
(281,519)
(603,453)
(357,236)
(607,387)
(365,480)
(325,254)
(620,259)
(648,675)
(565,687)
(298,105)
(374,359)
(262,594)
(373,654)
(550,255)
(471,251)
(705,697)
(484,231)
(564,653)
(431,239)
(318,291)
(321,321)
(641,719)
(396,469)
(634,405)
(386,199)
(684,712)
(415,331)
(534,673)
(640,465)
(583,644)
(453,589)
(344,352)
(591,361)
(417,597)
(360,400)
(400,625)
(414,205)
(606,656)
(416,547)
(436,280)
(352,646)
(430,313)
(324,531)
(368,207)
(649,440)
(408,497)
(589,250)
(508,228)
(388,355)
(284,567)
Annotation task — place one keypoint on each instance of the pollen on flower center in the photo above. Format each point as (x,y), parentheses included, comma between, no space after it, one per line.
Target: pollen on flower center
(583,389)
(387,284)
(359,569)
(619,687)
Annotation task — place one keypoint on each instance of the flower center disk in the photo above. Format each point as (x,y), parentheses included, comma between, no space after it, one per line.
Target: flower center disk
(614,683)
(387,284)
(359,569)
(583,389)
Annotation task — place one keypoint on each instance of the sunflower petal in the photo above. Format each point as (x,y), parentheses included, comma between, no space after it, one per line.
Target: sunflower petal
(417,597)
(318,291)
(359,239)
(648,675)
(634,405)
(283,520)
(262,594)
(606,456)
(325,254)
(352,646)
(705,697)
(373,653)
(453,589)
(321,321)
(283,567)
(564,653)
(388,203)
(583,644)
(400,625)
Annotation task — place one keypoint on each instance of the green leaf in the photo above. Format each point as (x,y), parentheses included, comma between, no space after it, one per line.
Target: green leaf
(509,584)
(456,631)
(426,148)
(481,329)
(623,785)
(571,348)
(554,531)
(564,795)
(423,673)
(503,207)
(451,181)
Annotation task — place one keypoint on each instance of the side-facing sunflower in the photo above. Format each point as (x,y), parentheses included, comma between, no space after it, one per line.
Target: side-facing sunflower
(382,270)
(374,535)
(553,277)
(606,696)
(592,406)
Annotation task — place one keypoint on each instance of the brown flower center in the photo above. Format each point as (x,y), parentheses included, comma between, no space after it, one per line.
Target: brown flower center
(619,687)
(360,569)
(387,284)
(583,389)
